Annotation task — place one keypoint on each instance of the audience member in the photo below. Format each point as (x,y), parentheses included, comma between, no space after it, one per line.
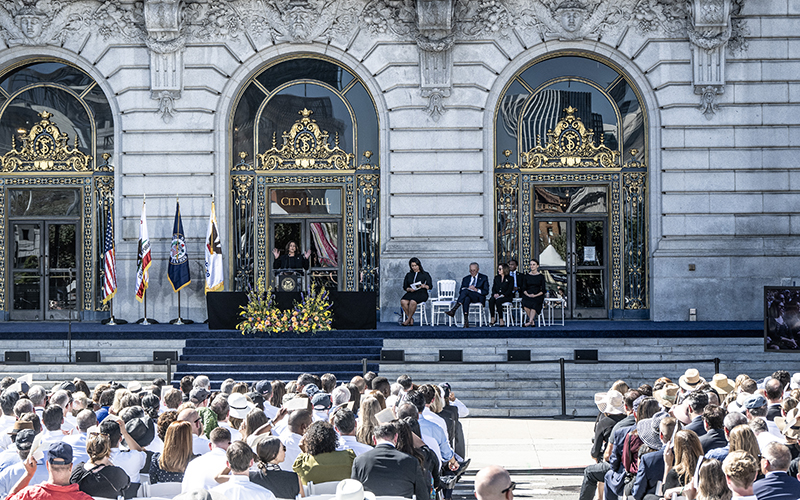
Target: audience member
(200,444)
(711,482)
(494,483)
(59,469)
(202,470)
(298,423)
(386,471)
(367,421)
(77,440)
(321,462)
(170,465)
(238,486)
(344,422)
(651,465)
(714,425)
(773,390)
(740,470)
(131,460)
(10,476)
(730,421)
(680,462)
(99,477)
(776,484)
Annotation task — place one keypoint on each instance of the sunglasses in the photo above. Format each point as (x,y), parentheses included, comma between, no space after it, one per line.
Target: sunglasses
(510,488)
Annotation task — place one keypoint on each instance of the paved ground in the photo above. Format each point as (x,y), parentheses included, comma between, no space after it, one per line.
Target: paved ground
(545,457)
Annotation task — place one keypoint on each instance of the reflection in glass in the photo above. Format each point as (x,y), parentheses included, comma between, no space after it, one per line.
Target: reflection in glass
(552,243)
(27,246)
(366,117)
(55,72)
(508,119)
(570,199)
(325,248)
(27,291)
(103,120)
(305,69)
(574,66)
(242,130)
(61,290)
(589,289)
(44,202)
(589,244)
(556,284)
(324,279)
(283,110)
(61,246)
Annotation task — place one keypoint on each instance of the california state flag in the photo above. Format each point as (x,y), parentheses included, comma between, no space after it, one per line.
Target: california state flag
(213,249)
(143,259)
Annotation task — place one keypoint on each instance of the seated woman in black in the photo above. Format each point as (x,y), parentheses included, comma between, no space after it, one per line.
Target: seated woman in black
(291,258)
(416,284)
(99,477)
(267,472)
(533,293)
(502,292)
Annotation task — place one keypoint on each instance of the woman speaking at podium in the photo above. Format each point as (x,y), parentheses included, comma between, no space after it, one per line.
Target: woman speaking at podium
(291,260)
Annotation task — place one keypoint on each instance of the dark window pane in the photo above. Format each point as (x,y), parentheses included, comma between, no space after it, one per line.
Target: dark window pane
(283,110)
(61,246)
(589,244)
(68,115)
(27,291)
(44,202)
(508,121)
(548,69)
(632,119)
(104,121)
(27,246)
(366,120)
(305,69)
(54,72)
(246,110)
(570,199)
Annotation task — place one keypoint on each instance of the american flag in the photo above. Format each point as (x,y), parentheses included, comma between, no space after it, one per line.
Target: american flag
(109,265)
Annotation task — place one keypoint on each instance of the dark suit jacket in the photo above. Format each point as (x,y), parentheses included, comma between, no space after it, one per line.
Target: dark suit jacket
(696,425)
(503,287)
(386,471)
(651,471)
(777,486)
(714,438)
(773,410)
(481,284)
(614,478)
(519,282)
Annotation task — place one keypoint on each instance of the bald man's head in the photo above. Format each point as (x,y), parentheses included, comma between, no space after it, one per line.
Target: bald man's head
(493,483)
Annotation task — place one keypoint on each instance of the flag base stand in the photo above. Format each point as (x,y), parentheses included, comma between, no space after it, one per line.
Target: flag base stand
(181,321)
(146,321)
(112,321)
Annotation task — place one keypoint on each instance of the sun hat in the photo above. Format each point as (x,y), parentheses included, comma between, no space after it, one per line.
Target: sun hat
(239,405)
(135,386)
(691,379)
(722,384)
(790,424)
(666,395)
(352,489)
(611,402)
(649,429)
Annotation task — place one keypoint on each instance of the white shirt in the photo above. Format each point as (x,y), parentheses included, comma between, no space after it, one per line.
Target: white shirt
(235,435)
(463,411)
(292,443)
(270,411)
(351,443)
(765,438)
(78,443)
(428,414)
(50,437)
(240,488)
(130,461)
(201,471)
(156,445)
(200,445)
(772,427)
(10,476)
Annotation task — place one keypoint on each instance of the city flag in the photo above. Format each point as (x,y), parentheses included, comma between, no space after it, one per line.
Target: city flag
(143,259)
(178,270)
(109,264)
(214,279)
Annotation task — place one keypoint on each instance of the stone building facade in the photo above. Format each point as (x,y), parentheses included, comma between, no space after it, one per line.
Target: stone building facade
(642,150)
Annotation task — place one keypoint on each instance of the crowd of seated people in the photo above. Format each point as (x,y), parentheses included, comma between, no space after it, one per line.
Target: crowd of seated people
(266,440)
(693,438)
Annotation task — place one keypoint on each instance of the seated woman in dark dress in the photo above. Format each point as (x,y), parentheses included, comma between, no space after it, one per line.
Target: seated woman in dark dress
(99,477)
(502,293)
(267,470)
(533,293)
(170,465)
(291,258)
(416,285)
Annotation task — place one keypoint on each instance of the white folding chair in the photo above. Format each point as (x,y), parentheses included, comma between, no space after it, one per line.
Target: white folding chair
(474,308)
(167,490)
(446,295)
(422,310)
(326,488)
(553,303)
(508,314)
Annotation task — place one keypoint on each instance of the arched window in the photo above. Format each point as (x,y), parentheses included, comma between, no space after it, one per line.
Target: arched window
(571,155)
(56,140)
(304,168)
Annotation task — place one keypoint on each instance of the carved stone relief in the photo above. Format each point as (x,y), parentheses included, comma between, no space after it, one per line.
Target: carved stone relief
(166,26)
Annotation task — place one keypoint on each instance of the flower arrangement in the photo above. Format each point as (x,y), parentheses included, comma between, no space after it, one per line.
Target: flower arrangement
(261,314)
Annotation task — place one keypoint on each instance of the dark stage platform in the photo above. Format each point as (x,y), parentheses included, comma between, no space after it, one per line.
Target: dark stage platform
(572,329)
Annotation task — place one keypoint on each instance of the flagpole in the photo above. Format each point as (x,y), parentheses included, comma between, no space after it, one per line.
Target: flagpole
(144,300)
(111,321)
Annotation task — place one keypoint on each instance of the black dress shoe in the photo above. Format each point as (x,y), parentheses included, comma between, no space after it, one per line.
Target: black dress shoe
(466,322)
(452,312)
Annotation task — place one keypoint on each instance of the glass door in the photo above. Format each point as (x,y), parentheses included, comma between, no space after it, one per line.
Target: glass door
(321,238)
(570,242)
(44,268)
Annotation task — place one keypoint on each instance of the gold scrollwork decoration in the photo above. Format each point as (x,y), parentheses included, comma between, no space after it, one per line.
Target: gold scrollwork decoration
(570,144)
(45,149)
(306,147)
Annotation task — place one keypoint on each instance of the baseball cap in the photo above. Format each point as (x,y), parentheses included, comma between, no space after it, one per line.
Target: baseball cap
(60,453)
(755,401)
(24,439)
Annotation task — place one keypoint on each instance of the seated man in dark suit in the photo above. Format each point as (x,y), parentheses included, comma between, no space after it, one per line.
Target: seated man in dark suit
(777,484)
(474,289)
(651,465)
(714,424)
(386,471)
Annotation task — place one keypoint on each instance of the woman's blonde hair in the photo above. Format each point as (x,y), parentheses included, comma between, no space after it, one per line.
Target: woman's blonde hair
(687,450)
(177,447)
(98,447)
(118,395)
(742,438)
(437,403)
(620,386)
(711,483)
(367,421)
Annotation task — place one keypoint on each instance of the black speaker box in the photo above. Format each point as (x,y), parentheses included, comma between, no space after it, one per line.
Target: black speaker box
(87,356)
(393,355)
(165,355)
(519,355)
(586,355)
(18,357)
(451,355)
